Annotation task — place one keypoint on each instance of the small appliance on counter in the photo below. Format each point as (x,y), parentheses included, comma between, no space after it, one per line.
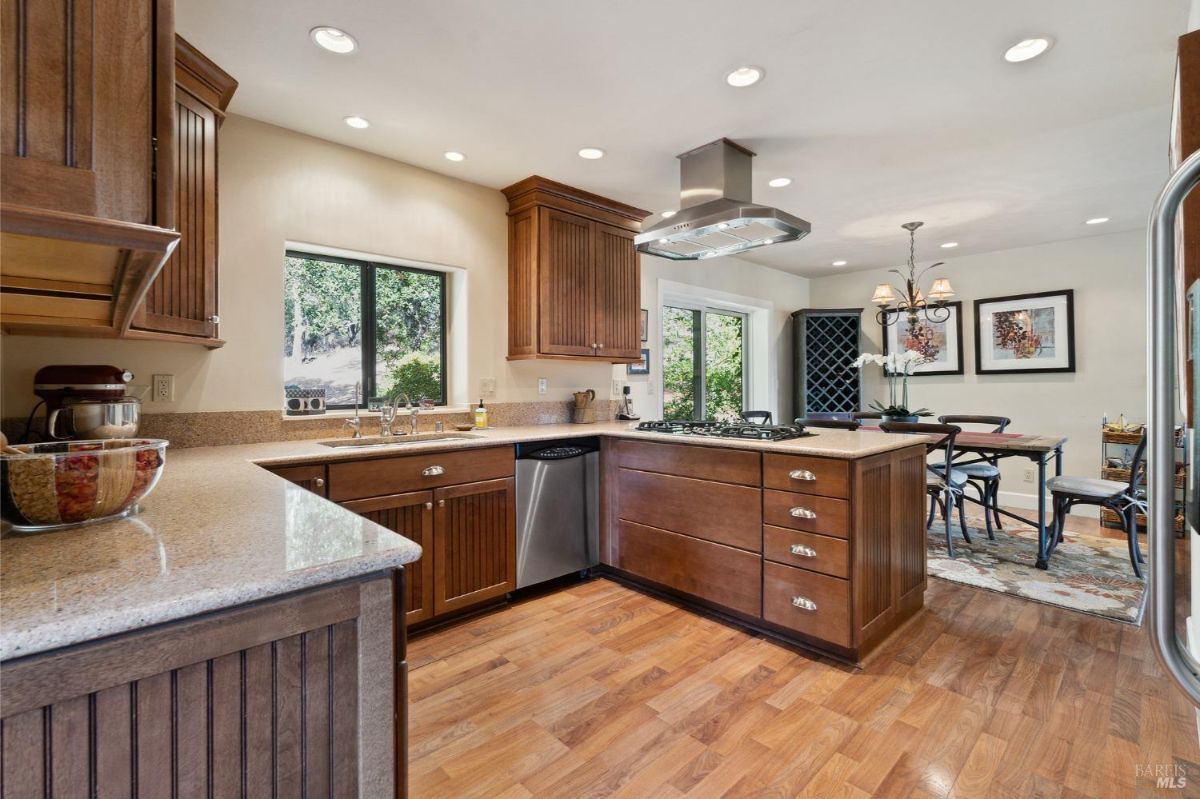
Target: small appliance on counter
(87,401)
(625,412)
(584,412)
(303,401)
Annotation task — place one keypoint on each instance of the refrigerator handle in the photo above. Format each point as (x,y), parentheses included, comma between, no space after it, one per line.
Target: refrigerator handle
(1160,464)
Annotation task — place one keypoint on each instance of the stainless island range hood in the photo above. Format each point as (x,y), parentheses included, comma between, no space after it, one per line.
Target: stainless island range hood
(716,215)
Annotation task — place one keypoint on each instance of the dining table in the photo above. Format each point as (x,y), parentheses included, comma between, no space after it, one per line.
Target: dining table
(973,447)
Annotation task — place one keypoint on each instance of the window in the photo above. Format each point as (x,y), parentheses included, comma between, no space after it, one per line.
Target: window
(348,321)
(704,364)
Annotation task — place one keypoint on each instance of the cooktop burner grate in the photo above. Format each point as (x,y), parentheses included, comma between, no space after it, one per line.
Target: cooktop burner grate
(744,431)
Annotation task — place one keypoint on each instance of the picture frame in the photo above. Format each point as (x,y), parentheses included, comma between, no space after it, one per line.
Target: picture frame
(941,341)
(645,315)
(642,367)
(1025,333)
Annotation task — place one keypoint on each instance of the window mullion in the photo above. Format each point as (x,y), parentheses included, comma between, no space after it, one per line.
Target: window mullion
(368,332)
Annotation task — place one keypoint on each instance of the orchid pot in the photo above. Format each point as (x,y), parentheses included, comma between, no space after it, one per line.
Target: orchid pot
(897,367)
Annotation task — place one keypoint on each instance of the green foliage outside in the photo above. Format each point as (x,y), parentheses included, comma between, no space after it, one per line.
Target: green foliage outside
(414,376)
(724,380)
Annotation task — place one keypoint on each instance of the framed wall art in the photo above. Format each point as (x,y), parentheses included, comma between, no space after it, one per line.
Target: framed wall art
(939,342)
(642,367)
(645,325)
(1025,333)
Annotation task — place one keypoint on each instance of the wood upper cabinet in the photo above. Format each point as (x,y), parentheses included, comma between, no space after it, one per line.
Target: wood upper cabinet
(183,300)
(475,543)
(574,277)
(86,161)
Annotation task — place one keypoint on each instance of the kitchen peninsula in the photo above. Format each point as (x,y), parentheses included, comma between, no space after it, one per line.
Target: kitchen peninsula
(245,596)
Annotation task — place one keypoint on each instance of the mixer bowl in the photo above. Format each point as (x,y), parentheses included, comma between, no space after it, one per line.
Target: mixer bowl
(67,483)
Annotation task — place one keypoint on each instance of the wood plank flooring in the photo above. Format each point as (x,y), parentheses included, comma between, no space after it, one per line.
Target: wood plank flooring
(600,690)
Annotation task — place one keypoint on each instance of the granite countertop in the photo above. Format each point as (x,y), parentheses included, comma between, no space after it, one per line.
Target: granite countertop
(219,531)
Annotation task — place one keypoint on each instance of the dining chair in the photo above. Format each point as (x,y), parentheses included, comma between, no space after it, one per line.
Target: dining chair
(1119,497)
(983,475)
(944,487)
(835,424)
(860,415)
(756,417)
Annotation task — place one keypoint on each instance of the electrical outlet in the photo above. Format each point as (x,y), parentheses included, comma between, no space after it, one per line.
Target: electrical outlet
(487,386)
(1030,475)
(543,384)
(163,389)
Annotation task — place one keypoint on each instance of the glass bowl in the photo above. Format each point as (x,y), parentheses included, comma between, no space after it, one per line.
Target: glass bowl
(63,484)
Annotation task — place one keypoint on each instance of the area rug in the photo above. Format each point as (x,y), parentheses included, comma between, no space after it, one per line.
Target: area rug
(1087,573)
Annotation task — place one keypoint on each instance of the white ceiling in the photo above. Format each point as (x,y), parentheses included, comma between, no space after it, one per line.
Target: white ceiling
(879,112)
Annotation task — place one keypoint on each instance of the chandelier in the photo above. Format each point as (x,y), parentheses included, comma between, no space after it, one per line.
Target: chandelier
(911,301)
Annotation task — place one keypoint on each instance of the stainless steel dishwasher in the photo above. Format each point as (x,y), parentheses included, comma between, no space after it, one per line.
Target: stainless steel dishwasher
(558,508)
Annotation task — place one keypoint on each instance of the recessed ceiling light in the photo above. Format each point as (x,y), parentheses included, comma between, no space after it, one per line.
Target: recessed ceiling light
(1025,50)
(591,153)
(454,155)
(357,122)
(668,214)
(742,77)
(332,39)
(839,263)
(949,245)
(1096,220)
(779,183)
(662,241)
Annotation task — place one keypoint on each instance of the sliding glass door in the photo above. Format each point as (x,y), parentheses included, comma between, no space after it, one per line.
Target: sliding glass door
(704,364)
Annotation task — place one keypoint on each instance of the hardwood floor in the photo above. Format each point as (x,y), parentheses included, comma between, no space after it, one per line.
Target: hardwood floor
(600,690)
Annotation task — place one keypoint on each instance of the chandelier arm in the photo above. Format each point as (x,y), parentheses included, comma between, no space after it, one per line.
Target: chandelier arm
(921,274)
(939,312)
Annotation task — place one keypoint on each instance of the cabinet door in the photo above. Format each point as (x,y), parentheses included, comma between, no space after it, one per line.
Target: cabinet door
(410,515)
(566,291)
(183,299)
(475,543)
(618,294)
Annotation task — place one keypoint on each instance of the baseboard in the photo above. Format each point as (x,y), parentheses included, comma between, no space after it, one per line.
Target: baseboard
(1012,499)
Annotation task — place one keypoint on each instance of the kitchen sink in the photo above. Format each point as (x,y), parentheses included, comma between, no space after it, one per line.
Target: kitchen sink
(379,442)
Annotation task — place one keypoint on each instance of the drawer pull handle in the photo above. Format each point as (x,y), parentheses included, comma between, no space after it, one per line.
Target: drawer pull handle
(804,603)
(428,506)
(802,474)
(432,471)
(803,513)
(319,482)
(803,551)
(441,503)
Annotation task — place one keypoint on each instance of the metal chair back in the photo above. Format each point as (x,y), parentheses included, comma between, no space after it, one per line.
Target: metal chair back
(835,424)
(942,437)
(998,422)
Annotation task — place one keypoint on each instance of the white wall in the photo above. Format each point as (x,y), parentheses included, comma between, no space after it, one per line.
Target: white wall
(779,293)
(276,186)
(1107,274)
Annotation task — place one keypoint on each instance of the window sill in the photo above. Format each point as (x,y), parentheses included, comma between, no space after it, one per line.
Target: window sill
(440,410)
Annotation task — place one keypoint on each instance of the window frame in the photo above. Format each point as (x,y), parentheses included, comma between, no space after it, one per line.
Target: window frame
(367,270)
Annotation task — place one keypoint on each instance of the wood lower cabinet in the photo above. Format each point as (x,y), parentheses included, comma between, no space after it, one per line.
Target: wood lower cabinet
(831,553)
(411,515)
(474,544)
(307,476)
(574,277)
(303,695)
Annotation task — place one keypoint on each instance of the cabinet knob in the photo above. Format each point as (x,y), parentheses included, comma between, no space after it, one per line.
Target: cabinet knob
(803,551)
(215,319)
(801,474)
(432,471)
(803,513)
(595,346)
(804,603)
(441,503)
(428,506)
(319,482)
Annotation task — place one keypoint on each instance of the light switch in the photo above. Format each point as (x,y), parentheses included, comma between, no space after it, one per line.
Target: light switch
(543,384)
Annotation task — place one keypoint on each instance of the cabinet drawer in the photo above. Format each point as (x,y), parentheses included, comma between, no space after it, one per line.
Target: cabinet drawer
(809,603)
(826,477)
(818,553)
(742,467)
(310,476)
(372,478)
(719,512)
(720,574)
(806,512)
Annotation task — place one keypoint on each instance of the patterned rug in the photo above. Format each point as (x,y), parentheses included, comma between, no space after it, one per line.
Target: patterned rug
(1087,573)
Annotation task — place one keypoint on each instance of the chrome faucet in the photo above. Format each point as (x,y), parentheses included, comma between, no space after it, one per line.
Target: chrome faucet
(355,424)
(408,406)
(412,419)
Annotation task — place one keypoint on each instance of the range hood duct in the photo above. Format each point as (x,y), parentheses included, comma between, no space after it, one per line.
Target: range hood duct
(716,215)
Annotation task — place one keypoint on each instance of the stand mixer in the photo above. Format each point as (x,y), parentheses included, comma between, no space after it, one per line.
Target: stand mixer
(87,401)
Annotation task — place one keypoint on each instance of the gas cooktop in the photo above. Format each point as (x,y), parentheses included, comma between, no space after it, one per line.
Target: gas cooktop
(742,430)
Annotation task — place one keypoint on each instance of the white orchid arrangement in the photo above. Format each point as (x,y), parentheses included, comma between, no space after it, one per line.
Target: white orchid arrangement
(897,366)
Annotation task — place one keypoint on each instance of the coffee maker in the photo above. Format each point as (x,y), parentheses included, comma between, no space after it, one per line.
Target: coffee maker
(86,401)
